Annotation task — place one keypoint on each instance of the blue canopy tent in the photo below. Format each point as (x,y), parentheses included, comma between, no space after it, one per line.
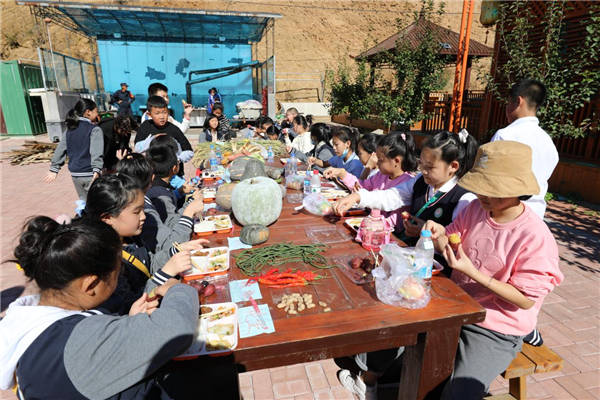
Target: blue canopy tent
(143,45)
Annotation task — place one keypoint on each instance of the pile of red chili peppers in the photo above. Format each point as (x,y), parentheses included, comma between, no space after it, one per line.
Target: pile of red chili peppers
(287,278)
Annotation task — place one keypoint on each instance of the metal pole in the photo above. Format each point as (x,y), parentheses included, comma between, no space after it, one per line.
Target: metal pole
(455,106)
(47,21)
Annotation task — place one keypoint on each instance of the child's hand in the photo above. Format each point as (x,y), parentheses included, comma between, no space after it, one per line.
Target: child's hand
(413,229)
(437,230)
(163,289)
(194,208)
(198,195)
(462,263)
(194,244)
(121,154)
(96,176)
(179,263)
(289,149)
(143,306)
(332,173)
(186,188)
(372,161)
(187,110)
(342,205)
(50,176)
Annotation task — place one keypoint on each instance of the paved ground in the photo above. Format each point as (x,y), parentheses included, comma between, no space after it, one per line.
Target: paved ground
(569,320)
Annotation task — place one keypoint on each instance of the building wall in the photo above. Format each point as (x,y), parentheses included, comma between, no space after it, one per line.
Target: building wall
(142,63)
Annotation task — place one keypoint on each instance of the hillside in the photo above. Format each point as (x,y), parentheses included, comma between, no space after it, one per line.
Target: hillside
(311,36)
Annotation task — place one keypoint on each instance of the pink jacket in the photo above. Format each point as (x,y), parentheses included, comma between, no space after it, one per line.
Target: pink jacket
(380,181)
(522,253)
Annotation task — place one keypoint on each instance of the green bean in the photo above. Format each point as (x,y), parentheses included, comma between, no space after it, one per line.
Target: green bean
(252,261)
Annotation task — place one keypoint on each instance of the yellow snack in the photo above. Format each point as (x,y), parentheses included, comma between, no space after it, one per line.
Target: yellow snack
(454,240)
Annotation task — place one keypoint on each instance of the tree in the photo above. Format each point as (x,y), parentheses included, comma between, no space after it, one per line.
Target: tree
(571,80)
(362,91)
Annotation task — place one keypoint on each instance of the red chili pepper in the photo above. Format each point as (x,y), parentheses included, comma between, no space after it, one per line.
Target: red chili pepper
(271,272)
(281,281)
(289,285)
(283,275)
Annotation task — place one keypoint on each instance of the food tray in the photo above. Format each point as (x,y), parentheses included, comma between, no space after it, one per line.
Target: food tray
(209,195)
(213,224)
(353,223)
(213,261)
(212,175)
(203,336)
(357,276)
(333,195)
(286,160)
(326,235)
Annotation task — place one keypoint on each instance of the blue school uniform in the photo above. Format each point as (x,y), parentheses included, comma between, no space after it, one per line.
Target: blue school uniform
(352,166)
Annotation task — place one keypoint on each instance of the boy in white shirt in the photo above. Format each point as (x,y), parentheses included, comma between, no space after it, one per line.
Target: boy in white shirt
(524,100)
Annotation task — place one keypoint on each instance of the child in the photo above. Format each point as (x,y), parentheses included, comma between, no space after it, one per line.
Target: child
(508,261)
(56,345)
(211,129)
(224,124)
(273,133)
(432,194)
(366,152)
(213,97)
(161,193)
(180,184)
(396,160)
(159,123)
(118,200)
(158,89)
(83,143)
(117,136)
(156,235)
(524,100)
(320,135)
(344,145)
(302,142)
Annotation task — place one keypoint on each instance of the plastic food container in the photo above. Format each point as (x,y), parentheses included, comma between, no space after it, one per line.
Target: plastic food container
(210,262)
(213,224)
(326,235)
(216,335)
(212,175)
(333,195)
(357,276)
(286,160)
(353,223)
(209,195)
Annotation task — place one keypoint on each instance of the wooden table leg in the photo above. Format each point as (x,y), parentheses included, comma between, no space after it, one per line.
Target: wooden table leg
(428,364)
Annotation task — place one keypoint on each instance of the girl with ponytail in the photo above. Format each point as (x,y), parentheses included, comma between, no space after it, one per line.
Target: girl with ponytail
(83,143)
(433,194)
(57,345)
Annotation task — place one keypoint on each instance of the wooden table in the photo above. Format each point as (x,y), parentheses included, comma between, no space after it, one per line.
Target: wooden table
(359,322)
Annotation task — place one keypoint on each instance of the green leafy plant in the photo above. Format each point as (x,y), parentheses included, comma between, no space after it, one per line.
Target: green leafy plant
(549,197)
(362,91)
(570,78)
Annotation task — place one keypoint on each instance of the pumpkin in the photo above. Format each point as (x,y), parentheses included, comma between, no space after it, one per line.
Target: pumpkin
(253,169)
(254,234)
(256,201)
(223,197)
(283,191)
(238,167)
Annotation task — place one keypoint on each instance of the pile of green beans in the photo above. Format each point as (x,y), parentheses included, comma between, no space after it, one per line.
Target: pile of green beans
(252,261)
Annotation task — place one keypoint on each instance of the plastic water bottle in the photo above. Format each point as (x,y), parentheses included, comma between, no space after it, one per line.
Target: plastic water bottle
(315,183)
(293,163)
(270,157)
(424,258)
(212,158)
(307,179)
(219,155)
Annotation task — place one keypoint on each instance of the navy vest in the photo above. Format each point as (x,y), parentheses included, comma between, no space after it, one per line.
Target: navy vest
(41,372)
(161,188)
(78,149)
(440,211)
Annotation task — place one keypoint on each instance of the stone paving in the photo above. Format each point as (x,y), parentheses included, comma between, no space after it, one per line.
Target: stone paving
(569,319)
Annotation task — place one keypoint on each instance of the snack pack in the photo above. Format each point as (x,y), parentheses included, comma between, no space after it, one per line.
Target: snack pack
(316,204)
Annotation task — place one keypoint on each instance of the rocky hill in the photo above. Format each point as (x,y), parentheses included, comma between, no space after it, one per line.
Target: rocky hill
(312,36)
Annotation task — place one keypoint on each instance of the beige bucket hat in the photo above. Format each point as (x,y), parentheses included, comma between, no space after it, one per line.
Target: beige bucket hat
(502,169)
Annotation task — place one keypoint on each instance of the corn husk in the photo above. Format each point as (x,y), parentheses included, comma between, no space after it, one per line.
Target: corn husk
(203,149)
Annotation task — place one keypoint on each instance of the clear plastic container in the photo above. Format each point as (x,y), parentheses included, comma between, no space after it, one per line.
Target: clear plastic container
(373,231)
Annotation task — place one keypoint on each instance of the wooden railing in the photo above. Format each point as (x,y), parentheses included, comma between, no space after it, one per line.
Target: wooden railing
(439,116)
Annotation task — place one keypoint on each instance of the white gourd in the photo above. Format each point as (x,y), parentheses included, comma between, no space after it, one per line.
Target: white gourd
(256,201)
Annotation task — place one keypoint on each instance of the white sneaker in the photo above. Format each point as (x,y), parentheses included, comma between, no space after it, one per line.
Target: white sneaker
(356,386)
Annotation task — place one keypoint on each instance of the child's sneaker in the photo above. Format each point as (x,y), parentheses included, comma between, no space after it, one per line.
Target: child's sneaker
(356,386)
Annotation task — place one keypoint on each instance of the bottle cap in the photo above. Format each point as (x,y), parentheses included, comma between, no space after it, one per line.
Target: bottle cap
(426,233)
(315,172)
(220,181)
(375,213)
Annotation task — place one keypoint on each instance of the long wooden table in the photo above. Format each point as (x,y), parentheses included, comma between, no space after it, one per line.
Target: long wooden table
(358,322)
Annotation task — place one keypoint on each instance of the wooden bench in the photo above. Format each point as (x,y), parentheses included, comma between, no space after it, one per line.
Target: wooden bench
(531,360)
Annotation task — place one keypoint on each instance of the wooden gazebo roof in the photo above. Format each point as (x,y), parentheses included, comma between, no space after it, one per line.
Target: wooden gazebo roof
(413,33)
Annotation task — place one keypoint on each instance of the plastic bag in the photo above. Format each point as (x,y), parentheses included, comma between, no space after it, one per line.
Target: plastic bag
(395,282)
(316,204)
(294,181)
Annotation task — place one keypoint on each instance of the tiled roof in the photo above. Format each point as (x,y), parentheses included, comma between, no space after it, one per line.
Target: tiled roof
(413,33)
